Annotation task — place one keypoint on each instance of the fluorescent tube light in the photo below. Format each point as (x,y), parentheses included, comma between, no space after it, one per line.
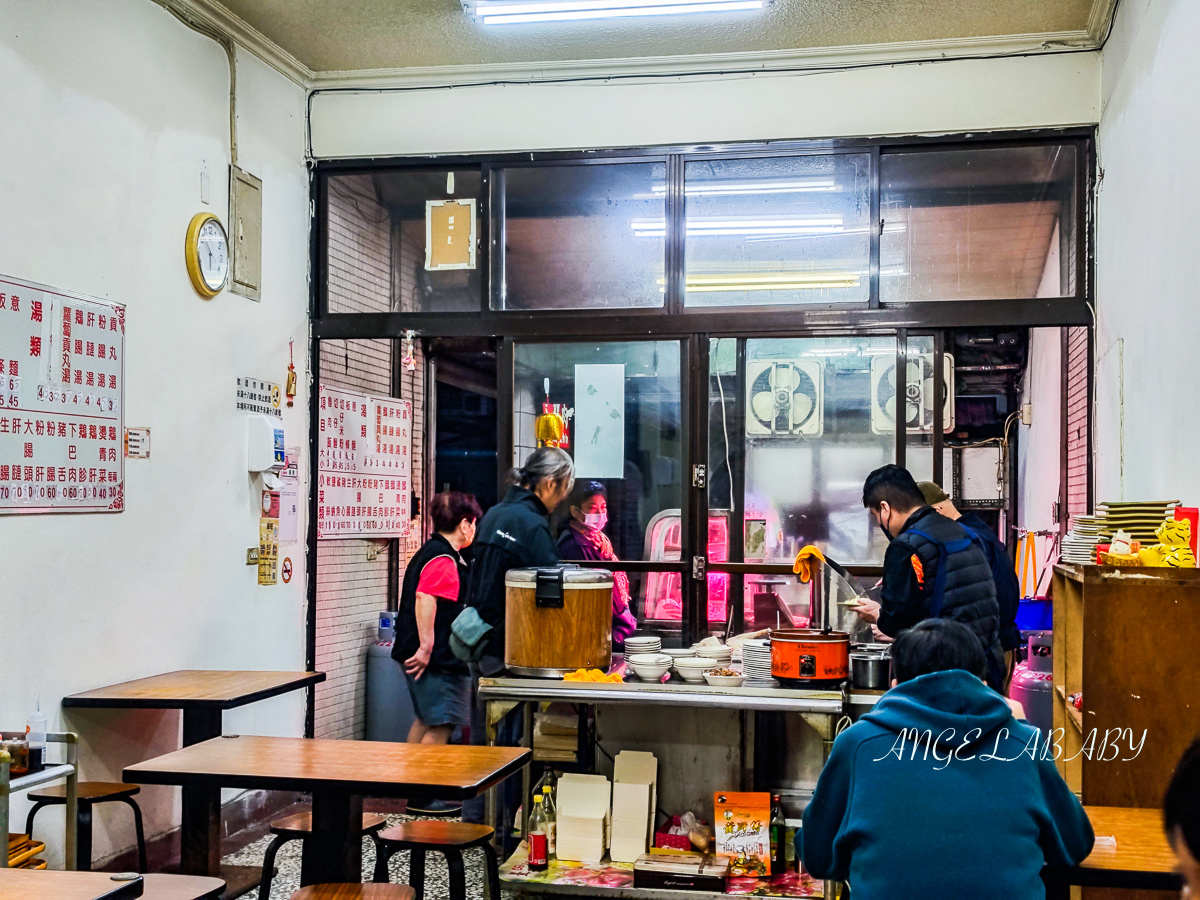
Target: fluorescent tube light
(714,226)
(738,188)
(512,12)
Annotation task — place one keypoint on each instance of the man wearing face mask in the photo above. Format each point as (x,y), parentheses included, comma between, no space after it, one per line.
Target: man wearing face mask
(932,568)
(583,539)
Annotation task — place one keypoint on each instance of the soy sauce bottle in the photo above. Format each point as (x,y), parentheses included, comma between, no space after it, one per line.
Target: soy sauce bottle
(778,837)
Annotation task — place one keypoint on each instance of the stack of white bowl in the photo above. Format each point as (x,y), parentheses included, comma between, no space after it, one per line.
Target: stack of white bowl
(720,654)
(645,644)
(756,662)
(692,668)
(679,652)
(649,666)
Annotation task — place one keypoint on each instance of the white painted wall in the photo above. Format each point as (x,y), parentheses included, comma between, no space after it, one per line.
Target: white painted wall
(108,111)
(1148,291)
(1040,445)
(957,96)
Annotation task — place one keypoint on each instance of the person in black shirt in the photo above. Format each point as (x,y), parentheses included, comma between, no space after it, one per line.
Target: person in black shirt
(932,568)
(1181,818)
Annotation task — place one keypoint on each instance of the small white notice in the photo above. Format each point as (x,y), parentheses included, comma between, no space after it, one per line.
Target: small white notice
(600,421)
(137,443)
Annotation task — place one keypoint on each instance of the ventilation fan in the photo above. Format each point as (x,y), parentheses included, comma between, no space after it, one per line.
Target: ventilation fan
(918,395)
(784,397)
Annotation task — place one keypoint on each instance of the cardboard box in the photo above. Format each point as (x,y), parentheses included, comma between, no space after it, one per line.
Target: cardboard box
(582,829)
(634,799)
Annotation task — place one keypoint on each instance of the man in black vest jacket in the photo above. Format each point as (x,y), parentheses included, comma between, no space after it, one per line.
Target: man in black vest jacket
(931,569)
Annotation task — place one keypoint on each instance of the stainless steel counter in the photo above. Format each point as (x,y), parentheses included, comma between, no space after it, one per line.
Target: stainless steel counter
(673,693)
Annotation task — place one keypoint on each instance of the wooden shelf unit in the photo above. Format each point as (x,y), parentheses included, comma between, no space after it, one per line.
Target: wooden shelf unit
(1127,638)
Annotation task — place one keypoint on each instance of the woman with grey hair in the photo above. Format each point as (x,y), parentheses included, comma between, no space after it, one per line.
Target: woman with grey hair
(514,534)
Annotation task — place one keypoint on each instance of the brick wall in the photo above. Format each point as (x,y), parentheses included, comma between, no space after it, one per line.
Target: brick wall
(352,589)
(1078,463)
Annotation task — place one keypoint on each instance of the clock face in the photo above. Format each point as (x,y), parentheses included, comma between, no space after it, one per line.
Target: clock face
(213,251)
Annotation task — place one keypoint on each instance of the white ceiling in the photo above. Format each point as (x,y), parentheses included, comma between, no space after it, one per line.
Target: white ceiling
(320,37)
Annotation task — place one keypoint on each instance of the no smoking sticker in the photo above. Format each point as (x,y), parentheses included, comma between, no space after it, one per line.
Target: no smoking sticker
(287,569)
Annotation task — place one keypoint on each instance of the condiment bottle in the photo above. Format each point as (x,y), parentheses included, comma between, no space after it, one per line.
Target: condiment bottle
(551,821)
(778,837)
(539,838)
(35,733)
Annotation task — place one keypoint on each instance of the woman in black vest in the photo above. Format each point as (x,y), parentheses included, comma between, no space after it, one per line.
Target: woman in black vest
(438,682)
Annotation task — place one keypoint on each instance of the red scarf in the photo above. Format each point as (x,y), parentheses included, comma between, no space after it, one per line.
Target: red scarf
(598,542)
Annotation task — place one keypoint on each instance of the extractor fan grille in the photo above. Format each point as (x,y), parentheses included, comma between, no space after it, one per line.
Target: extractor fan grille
(919,405)
(784,397)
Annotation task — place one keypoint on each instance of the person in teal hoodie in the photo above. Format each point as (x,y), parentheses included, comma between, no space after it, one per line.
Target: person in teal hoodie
(939,791)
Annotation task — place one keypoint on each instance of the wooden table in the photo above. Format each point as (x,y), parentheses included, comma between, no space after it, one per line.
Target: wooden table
(338,774)
(54,885)
(1141,859)
(203,696)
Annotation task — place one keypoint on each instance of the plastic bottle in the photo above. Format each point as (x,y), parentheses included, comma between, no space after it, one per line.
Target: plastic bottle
(35,733)
(551,821)
(539,848)
(778,837)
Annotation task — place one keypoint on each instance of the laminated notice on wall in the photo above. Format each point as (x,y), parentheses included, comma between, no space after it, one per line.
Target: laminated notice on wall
(449,234)
(62,386)
(600,421)
(364,465)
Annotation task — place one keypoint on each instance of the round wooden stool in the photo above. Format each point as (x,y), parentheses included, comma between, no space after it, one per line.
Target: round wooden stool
(181,887)
(89,793)
(296,828)
(354,892)
(447,838)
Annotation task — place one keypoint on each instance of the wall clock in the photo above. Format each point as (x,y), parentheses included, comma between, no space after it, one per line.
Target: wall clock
(206,250)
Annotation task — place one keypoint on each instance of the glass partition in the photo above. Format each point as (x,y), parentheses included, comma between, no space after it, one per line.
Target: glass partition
(978,224)
(581,236)
(784,230)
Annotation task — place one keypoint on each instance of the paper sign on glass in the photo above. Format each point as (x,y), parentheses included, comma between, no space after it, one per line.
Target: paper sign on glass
(600,421)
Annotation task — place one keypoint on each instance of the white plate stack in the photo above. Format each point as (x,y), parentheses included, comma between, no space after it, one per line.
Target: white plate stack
(1079,545)
(646,644)
(719,654)
(756,662)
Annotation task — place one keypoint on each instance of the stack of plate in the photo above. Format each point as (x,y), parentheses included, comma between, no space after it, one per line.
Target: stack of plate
(1079,546)
(720,654)
(1138,519)
(756,662)
(646,644)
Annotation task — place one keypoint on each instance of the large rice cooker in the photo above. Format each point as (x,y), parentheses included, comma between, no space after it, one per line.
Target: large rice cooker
(557,620)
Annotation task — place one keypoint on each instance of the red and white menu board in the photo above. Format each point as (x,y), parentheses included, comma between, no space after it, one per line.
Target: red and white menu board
(364,465)
(62,390)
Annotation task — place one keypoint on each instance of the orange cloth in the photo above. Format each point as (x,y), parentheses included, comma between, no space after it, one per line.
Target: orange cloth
(804,566)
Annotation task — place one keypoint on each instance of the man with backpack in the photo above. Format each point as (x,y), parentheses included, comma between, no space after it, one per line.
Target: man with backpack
(1008,589)
(932,568)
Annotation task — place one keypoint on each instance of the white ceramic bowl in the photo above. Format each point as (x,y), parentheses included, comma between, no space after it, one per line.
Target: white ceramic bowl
(696,676)
(724,680)
(713,652)
(678,652)
(695,664)
(649,659)
(649,673)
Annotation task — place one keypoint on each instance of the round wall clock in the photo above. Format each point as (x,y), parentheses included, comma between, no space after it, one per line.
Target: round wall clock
(206,250)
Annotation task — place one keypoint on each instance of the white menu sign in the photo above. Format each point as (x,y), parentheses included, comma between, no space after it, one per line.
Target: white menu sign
(364,465)
(61,401)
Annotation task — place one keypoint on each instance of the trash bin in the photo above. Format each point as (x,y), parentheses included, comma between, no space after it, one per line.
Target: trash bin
(389,708)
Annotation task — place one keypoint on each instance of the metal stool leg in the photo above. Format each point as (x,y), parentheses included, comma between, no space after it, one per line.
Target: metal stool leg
(383,854)
(33,812)
(264,886)
(83,837)
(140,831)
(416,872)
(492,865)
(458,876)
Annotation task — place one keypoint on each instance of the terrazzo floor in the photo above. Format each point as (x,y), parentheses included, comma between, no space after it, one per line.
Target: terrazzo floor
(437,884)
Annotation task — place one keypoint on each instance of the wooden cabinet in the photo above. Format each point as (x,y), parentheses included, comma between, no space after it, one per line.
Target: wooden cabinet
(1129,639)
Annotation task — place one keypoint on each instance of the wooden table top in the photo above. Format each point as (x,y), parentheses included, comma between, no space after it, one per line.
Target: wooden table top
(194,689)
(1141,843)
(47,884)
(375,768)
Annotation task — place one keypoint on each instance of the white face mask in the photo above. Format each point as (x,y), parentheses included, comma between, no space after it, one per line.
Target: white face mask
(595,521)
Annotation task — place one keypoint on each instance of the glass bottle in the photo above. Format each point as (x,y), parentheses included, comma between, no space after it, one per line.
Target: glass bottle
(778,837)
(539,848)
(551,820)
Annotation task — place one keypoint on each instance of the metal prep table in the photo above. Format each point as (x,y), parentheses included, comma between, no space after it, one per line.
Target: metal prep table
(820,709)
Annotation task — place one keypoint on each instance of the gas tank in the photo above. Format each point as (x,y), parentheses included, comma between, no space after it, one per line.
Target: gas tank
(1033,682)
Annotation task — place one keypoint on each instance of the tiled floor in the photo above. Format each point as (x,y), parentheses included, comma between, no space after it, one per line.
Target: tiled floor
(287,879)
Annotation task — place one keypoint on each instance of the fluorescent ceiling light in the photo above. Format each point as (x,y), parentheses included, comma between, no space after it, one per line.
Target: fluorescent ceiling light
(712,226)
(726,188)
(512,12)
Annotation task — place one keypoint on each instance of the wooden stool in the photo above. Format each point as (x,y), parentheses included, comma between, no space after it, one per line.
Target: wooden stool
(90,793)
(447,838)
(297,828)
(181,887)
(354,892)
